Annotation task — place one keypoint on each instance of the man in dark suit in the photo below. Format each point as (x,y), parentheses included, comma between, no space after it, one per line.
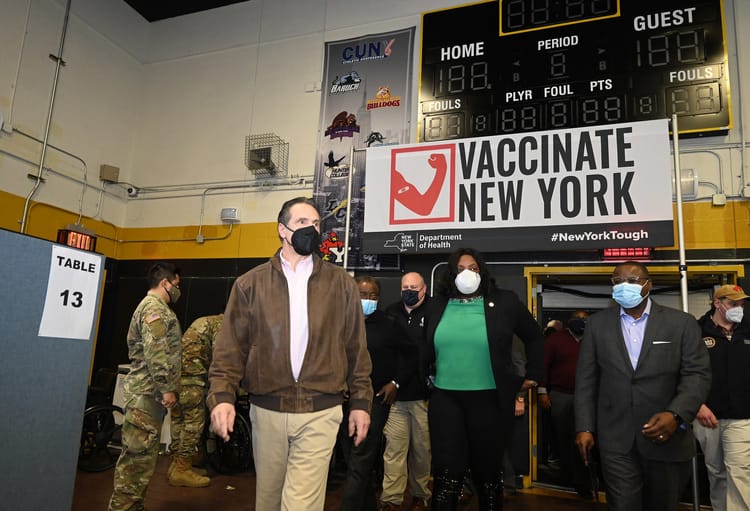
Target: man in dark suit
(642,374)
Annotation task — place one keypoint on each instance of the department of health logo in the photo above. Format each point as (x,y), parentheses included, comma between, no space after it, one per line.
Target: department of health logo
(401,241)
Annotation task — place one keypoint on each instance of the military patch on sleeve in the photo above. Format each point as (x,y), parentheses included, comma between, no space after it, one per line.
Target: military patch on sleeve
(157,327)
(152,317)
(710,342)
(155,324)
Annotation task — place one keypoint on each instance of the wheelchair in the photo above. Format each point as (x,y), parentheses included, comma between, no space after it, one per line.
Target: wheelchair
(101,438)
(236,455)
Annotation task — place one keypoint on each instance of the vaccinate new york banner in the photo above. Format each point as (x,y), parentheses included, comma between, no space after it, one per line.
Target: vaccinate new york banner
(582,188)
(364,103)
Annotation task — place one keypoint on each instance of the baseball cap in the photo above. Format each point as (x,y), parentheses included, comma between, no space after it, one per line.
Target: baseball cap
(731,291)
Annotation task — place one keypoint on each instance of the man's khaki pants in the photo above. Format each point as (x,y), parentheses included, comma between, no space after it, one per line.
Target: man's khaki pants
(407,452)
(292,452)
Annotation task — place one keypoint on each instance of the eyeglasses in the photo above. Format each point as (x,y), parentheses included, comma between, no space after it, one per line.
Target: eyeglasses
(732,303)
(630,280)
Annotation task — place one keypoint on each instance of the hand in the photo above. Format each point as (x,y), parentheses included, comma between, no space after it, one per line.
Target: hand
(706,417)
(222,420)
(585,442)
(660,427)
(168,399)
(388,391)
(544,402)
(359,423)
(520,407)
(528,384)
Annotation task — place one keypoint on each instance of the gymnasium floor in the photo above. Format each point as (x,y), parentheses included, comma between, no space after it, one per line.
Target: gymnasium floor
(236,493)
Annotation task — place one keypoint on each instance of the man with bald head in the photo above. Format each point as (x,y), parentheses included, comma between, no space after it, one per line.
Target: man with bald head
(407,447)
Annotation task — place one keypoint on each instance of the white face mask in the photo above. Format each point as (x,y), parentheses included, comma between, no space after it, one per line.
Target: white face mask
(735,314)
(467,282)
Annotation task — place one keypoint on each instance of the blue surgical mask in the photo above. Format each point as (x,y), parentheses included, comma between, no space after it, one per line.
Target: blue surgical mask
(369,306)
(627,295)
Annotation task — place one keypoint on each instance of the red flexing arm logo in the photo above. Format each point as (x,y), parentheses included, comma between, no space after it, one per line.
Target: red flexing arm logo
(408,195)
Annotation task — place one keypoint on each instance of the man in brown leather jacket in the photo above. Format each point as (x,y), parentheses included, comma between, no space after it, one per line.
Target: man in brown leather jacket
(294,337)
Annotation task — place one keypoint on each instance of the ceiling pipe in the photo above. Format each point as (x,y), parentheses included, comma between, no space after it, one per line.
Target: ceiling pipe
(58,63)
(8,126)
(67,153)
(538,263)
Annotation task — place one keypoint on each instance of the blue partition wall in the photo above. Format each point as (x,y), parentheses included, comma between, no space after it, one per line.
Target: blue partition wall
(43,383)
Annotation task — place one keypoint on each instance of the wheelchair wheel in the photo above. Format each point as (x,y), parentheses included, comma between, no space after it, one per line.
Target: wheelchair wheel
(101,439)
(233,456)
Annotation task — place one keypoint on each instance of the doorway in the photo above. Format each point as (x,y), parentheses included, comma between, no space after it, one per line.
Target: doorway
(556,292)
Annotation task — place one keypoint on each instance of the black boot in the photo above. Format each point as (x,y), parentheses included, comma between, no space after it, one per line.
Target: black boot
(445,492)
(490,495)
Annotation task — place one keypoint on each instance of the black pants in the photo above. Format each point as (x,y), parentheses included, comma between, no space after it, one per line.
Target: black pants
(359,494)
(466,431)
(573,471)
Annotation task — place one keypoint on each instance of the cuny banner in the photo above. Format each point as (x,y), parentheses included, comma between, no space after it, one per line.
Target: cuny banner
(583,188)
(364,103)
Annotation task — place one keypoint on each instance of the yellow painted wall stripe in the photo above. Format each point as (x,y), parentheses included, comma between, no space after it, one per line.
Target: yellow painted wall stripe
(706,227)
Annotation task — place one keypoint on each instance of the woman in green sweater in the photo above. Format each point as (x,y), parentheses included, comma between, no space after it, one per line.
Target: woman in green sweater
(469,337)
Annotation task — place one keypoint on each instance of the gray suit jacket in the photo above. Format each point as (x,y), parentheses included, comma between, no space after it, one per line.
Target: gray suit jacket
(613,401)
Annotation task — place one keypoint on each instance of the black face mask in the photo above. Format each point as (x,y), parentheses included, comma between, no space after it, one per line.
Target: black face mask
(305,240)
(577,326)
(410,297)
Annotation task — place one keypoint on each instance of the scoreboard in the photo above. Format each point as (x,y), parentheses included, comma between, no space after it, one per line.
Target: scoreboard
(511,66)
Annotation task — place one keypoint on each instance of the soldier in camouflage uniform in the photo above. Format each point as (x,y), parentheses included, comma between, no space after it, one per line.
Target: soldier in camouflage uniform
(154,348)
(189,415)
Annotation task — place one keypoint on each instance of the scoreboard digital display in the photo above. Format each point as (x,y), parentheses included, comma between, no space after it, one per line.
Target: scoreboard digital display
(513,66)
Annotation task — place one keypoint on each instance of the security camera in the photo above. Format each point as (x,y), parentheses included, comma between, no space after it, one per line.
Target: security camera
(132,191)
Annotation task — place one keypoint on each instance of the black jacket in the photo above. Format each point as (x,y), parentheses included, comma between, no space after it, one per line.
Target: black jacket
(382,345)
(505,316)
(412,384)
(729,397)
